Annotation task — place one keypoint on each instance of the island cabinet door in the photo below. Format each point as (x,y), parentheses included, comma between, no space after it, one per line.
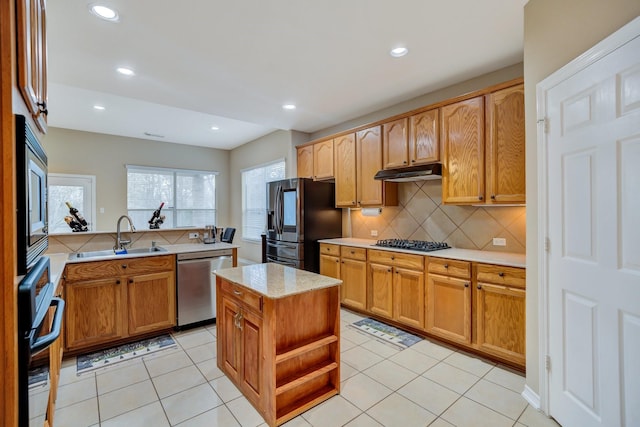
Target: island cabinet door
(230,336)
(250,328)
(381,289)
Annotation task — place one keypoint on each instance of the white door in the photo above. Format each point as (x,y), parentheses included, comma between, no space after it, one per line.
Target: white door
(593,226)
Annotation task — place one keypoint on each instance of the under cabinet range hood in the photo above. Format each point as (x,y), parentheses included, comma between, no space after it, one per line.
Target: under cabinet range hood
(412,173)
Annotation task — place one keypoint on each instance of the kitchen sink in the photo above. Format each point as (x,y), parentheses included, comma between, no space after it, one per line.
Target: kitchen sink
(110,252)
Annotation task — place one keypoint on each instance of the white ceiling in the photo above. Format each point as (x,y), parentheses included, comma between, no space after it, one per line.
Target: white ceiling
(233,64)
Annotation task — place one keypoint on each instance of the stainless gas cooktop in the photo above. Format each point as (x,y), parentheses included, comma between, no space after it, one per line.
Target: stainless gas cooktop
(414,245)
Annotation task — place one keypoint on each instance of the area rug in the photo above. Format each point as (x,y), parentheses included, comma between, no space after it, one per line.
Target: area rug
(100,359)
(386,333)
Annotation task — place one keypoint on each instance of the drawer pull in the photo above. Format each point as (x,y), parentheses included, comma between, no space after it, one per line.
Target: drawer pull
(446,266)
(124,265)
(352,252)
(237,292)
(392,257)
(479,287)
(501,274)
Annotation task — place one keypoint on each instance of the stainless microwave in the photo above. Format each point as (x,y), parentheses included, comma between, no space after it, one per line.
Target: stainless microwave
(31,196)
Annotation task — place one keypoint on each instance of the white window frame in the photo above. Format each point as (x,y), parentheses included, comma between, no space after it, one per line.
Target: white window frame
(244,196)
(88,182)
(171,205)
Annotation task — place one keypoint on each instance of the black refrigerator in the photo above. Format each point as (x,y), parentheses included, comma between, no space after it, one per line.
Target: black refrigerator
(300,211)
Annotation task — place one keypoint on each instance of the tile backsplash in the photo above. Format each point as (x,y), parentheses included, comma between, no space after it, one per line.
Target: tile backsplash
(82,242)
(420,215)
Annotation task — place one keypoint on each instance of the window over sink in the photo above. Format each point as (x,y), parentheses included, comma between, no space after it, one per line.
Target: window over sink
(189,196)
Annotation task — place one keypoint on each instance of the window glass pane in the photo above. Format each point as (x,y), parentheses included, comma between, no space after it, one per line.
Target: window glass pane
(58,195)
(146,189)
(195,218)
(254,197)
(195,190)
(75,189)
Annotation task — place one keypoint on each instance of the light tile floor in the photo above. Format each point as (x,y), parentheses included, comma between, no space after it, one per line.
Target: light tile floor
(425,385)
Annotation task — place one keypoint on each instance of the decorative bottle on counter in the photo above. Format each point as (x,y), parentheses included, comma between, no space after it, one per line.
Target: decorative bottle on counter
(78,223)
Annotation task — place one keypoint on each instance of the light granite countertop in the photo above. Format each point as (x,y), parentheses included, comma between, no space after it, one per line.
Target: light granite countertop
(275,280)
(507,259)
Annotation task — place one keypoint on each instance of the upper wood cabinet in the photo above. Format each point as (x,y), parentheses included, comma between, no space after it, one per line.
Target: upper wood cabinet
(357,159)
(316,160)
(424,137)
(462,125)
(345,170)
(484,158)
(305,161)
(412,141)
(323,160)
(32,58)
(506,146)
(395,144)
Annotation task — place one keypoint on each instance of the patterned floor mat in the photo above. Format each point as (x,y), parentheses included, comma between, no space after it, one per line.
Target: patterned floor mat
(386,333)
(99,359)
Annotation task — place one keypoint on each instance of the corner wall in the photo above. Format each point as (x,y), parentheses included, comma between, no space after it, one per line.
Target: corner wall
(277,145)
(556,32)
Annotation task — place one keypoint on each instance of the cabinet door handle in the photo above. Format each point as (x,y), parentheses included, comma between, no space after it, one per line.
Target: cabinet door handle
(339,261)
(413,160)
(480,197)
(130,280)
(43,108)
(466,285)
(493,197)
(389,271)
(479,287)
(240,317)
(404,162)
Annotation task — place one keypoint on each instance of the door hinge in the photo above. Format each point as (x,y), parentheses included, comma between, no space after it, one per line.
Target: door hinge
(545,122)
(547,362)
(547,244)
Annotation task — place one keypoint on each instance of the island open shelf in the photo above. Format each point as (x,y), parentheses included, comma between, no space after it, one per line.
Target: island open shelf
(279,337)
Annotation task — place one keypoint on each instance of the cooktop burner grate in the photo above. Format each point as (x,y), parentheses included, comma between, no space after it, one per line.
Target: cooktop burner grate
(414,245)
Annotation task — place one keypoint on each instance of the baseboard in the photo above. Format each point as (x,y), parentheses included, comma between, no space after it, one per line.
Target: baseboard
(531,397)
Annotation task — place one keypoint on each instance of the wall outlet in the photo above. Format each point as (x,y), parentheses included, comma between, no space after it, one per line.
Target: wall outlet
(374,233)
(499,241)
(194,235)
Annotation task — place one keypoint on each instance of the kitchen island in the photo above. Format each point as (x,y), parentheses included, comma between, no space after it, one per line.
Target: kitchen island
(278,332)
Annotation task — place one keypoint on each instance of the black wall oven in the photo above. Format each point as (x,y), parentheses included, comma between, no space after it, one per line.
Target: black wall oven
(36,332)
(31,193)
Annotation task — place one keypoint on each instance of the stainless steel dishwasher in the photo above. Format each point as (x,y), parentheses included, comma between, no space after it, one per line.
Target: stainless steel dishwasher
(197,285)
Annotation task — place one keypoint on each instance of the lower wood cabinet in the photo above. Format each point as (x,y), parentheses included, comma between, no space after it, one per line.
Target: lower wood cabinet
(448,300)
(107,301)
(396,286)
(500,307)
(350,265)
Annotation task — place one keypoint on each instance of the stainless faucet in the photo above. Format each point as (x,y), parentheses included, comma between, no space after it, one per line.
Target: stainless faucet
(119,242)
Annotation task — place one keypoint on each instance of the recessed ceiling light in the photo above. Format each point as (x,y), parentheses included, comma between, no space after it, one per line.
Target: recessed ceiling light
(399,51)
(125,71)
(215,128)
(289,107)
(104,12)
(98,107)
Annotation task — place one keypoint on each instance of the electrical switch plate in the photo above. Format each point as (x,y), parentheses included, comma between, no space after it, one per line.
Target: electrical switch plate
(193,235)
(374,233)
(101,210)
(499,241)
